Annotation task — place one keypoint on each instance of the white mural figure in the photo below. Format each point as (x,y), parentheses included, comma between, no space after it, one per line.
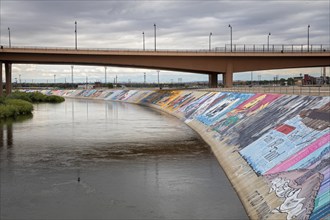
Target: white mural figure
(292,204)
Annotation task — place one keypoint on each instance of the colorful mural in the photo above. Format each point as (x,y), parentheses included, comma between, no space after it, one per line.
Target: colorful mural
(281,142)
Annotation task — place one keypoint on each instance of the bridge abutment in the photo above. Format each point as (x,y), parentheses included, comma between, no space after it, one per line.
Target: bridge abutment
(213,80)
(8,78)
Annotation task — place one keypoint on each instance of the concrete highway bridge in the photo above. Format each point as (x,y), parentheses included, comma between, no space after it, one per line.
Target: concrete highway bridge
(226,61)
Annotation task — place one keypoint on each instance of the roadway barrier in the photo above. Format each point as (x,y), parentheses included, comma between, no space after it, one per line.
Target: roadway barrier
(274,148)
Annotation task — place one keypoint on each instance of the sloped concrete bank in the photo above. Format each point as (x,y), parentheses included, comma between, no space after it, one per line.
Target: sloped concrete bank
(274,148)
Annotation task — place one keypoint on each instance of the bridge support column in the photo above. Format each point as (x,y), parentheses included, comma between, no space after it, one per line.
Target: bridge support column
(8,78)
(1,85)
(228,76)
(213,80)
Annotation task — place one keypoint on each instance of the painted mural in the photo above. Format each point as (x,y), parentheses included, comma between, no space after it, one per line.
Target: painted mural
(284,142)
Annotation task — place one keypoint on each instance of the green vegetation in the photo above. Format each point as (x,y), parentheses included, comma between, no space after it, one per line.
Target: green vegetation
(35,97)
(11,108)
(20,103)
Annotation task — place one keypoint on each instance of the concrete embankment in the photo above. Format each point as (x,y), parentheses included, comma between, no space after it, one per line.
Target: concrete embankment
(274,148)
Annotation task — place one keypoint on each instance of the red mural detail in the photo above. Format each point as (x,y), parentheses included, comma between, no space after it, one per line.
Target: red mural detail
(285,129)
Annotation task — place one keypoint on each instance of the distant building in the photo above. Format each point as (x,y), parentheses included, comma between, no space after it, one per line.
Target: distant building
(97,85)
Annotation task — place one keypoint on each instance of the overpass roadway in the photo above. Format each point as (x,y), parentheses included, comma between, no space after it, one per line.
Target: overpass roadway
(194,61)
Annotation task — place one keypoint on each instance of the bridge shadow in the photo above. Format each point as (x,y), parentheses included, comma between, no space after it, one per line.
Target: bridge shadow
(6,130)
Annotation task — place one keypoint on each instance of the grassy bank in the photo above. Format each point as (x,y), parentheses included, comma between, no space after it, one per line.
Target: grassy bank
(11,108)
(35,97)
(20,103)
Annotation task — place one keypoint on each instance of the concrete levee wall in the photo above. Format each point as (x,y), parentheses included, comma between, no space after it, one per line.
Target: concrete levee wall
(274,148)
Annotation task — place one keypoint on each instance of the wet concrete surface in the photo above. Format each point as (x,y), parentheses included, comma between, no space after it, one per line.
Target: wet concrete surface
(132,162)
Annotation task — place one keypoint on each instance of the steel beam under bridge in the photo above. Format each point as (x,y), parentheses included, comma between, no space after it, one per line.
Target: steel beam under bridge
(201,62)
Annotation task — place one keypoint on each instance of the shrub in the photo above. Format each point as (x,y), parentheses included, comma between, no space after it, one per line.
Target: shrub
(54,99)
(7,111)
(20,103)
(35,97)
(19,95)
(22,106)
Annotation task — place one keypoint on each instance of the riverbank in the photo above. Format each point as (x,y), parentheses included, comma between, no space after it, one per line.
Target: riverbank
(274,148)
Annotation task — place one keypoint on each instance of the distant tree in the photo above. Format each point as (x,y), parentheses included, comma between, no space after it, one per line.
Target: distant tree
(282,81)
(290,81)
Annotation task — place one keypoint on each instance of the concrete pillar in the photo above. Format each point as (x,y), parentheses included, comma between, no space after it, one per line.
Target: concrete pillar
(228,76)
(8,78)
(1,86)
(213,80)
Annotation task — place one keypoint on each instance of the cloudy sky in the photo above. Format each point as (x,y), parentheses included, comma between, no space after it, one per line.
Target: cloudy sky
(181,24)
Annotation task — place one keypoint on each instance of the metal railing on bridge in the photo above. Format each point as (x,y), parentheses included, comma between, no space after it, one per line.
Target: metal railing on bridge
(275,48)
(234,48)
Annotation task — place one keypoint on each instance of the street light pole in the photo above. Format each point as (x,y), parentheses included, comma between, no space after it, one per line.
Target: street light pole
(9,40)
(155,35)
(72,75)
(210,41)
(144,48)
(268,41)
(75,31)
(231,38)
(251,78)
(308,37)
(158,79)
(105,75)
(145,78)
(54,78)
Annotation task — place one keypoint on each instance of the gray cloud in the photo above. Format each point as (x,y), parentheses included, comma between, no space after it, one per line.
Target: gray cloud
(180,24)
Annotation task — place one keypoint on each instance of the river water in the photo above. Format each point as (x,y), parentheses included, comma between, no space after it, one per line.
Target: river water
(133,163)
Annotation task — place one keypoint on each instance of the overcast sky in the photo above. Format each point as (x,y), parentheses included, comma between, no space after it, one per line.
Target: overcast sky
(180,25)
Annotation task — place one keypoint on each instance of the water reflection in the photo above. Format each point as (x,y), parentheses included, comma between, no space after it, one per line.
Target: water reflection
(1,135)
(6,126)
(133,163)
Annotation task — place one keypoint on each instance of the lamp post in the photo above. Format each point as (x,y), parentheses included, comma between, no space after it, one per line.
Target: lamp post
(72,75)
(105,75)
(308,37)
(9,40)
(143,42)
(145,79)
(54,78)
(251,78)
(268,41)
(231,38)
(75,32)
(210,41)
(155,35)
(158,79)
(86,82)
(20,79)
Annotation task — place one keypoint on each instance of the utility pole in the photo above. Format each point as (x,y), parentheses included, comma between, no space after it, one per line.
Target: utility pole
(72,75)
(105,75)
(155,35)
(158,79)
(75,31)
(143,42)
(9,37)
